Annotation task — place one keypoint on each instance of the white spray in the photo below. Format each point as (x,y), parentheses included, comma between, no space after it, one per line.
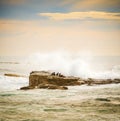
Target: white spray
(72,65)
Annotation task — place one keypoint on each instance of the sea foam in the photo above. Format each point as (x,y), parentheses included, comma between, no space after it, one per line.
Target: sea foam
(71,65)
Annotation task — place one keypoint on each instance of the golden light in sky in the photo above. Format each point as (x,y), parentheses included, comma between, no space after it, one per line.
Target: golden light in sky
(76,26)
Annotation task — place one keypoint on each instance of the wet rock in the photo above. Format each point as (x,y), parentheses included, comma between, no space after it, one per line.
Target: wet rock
(103,99)
(91,81)
(51,86)
(117,80)
(81,82)
(43,86)
(64,88)
(26,88)
(13,75)
(57,87)
(46,78)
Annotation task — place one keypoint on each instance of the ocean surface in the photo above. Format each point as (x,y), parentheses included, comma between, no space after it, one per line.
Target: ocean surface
(78,103)
(102,67)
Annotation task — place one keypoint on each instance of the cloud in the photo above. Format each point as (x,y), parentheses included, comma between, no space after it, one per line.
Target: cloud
(79,4)
(82,15)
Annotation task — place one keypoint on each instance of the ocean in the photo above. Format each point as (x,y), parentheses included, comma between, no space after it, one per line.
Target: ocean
(80,66)
(78,103)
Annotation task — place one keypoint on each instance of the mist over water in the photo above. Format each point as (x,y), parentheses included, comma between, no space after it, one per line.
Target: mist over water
(80,65)
(60,61)
(76,65)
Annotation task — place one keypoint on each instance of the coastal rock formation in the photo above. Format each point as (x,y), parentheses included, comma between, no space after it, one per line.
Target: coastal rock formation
(42,77)
(51,86)
(47,80)
(26,88)
(13,75)
(91,81)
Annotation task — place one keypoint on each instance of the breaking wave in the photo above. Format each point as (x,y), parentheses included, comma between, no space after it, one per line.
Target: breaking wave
(12,83)
(72,65)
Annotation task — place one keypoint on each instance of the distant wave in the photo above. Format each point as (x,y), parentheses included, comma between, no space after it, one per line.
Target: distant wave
(9,62)
(12,83)
(5,70)
(65,63)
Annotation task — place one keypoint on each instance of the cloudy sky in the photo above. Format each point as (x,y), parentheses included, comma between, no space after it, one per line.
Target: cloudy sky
(77,26)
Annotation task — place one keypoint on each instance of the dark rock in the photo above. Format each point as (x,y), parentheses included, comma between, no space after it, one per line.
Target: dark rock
(26,88)
(81,82)
(46,78)
(43,86)
(51,86)
(65,88)
(13,75)
(103,99)
(117,80)
(91,81)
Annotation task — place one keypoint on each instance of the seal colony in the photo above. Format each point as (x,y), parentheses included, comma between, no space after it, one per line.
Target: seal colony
(47,80)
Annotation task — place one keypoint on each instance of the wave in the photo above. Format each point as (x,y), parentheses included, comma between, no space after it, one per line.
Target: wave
(9,62)
(71,65)
(12,83)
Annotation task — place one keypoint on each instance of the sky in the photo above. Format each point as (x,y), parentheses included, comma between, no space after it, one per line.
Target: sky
(76,26)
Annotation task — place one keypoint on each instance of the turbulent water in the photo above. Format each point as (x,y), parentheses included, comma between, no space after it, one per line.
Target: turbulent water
(79,103)
(71,65)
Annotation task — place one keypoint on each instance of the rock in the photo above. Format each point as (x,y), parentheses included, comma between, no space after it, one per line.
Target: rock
(13,75)
(81,82)
(46,78)
(51,86)
(40,72)
(64,88)
(57,87)
(117,80)
(91,81)
(43,86)
(26,88)
(103,99)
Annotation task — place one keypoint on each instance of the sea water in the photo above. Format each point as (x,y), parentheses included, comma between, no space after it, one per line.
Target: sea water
(102,67)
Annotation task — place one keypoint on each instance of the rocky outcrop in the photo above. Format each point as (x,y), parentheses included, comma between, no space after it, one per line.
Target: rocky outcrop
(47,80)
(37,78)
(51,86)
(26,88)
(13,75)
(91,81)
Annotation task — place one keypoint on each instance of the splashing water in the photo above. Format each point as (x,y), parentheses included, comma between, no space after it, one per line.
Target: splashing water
(72,65)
